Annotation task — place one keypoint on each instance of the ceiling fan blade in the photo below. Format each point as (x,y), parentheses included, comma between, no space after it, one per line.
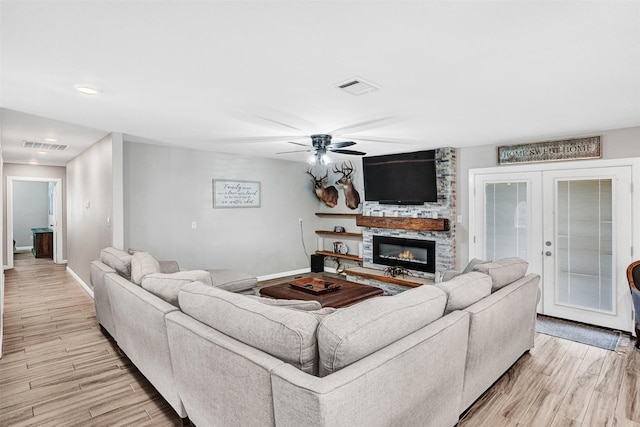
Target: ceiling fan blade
(385,140)
(356,153)
(297,143)
(296,151)
(342,144)
(251,139)
(368,124)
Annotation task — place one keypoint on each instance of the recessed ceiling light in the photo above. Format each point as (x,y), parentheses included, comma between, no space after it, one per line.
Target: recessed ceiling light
(51,139)
(33,162)
(42,151)
(87,90)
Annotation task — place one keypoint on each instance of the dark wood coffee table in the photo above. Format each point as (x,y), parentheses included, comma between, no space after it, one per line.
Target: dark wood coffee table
(349,293)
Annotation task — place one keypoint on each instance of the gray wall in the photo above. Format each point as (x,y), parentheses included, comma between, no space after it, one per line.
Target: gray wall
(89,206)
(16,170)
(30,210)
(617,144)
(166,189)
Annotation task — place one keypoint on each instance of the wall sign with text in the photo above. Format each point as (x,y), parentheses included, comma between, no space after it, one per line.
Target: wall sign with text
(548,151)
(236,194)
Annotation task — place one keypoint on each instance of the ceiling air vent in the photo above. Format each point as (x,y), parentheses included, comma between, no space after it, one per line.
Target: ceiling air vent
(357,86)
(43,146)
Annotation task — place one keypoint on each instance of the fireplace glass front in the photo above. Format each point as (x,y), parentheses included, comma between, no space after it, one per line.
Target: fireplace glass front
(412,254)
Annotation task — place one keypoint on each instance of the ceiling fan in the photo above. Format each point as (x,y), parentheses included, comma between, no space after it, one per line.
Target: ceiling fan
(321,143)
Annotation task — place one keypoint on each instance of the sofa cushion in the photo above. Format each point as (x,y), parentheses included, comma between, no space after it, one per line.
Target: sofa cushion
(169,266)
(465,289)
(231,280)
(142,263)
(503,271)
(288,303)
(167,286)
(354,332)
(289,335)
(119,260)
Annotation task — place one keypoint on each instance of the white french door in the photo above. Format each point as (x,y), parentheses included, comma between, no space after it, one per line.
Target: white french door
(574,228)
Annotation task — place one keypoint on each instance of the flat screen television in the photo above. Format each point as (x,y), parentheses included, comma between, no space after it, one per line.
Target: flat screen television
(401,179)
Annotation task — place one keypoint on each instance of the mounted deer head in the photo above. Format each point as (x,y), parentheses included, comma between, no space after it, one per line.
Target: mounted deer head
(351,195)
(329,195)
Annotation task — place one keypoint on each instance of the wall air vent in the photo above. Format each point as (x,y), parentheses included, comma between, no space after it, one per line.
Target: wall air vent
(44,146)
(357,86)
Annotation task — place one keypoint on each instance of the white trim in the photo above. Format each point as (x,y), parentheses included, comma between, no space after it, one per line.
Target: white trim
(81,282)
(57,208)
(283,274)
(23,248)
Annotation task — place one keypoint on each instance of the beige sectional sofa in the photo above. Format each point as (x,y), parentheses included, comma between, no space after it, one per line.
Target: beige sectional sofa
(134,293)
(419,358)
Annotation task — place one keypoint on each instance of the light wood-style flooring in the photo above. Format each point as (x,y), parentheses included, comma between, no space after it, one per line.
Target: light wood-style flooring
(59,370)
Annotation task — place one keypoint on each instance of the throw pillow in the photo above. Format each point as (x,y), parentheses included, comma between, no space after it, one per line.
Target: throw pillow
(465,289)
(167,286)
(503,271)
(119,260)
(142,263)
(472,264)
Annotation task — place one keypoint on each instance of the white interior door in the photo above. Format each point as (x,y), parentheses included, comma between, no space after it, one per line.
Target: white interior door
(588,240)
(507,219)
(574,227)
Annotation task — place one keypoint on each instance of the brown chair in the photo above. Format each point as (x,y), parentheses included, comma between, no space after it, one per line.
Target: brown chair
(633,276)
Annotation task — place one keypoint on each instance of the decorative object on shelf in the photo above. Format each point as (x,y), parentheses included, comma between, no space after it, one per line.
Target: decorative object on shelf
(236,194)
(565,149)
(329,195)
(339,229)
(396,270)
(340,248)
(351,195)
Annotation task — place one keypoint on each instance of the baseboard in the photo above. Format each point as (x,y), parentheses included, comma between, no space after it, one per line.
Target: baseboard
(24,248)
(283,274)
(80,281)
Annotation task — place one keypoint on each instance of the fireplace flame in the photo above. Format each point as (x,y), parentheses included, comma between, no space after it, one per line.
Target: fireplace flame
(406,255)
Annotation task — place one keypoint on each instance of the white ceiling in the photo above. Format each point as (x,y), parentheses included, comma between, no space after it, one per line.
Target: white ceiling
(246,77)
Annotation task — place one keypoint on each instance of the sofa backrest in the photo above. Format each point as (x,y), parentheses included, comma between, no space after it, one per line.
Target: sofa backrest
(289,335)
(167,286)
(354,332)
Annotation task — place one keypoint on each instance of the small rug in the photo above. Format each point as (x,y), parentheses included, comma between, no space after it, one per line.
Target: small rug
(586,334)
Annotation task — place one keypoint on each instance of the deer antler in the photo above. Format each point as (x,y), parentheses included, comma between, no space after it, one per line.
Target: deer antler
(346,169)
(315,178)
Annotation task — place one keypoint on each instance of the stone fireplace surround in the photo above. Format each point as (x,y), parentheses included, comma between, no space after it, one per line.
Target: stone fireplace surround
(403,218)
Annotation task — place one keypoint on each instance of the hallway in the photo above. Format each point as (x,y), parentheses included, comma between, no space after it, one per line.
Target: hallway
(57,367)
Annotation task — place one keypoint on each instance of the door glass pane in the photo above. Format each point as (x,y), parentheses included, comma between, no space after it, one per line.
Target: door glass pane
(505,220)
(584,244)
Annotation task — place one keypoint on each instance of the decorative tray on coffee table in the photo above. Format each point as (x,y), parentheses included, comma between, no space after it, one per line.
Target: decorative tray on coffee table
(315,285)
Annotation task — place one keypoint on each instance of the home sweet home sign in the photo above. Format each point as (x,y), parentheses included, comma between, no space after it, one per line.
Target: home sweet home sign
(560,150)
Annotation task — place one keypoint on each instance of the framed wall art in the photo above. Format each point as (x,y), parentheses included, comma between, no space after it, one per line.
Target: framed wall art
(236,194)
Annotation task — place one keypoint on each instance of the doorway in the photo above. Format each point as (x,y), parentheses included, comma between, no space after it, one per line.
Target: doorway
(54,215)
(573,226)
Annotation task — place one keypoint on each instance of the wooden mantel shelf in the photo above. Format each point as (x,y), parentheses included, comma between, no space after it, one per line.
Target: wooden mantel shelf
(421,224)
(370,273)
